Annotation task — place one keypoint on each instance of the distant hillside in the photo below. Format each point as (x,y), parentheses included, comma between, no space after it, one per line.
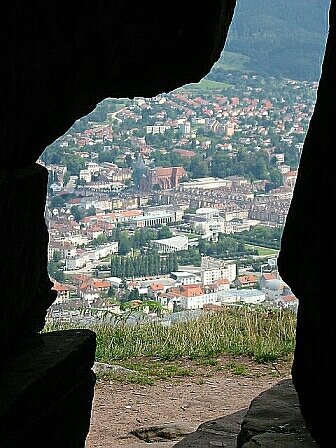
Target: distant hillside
(278,37)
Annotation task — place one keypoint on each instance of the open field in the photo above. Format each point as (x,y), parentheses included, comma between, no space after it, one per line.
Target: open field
(263,251)
(233,62)
(207,84)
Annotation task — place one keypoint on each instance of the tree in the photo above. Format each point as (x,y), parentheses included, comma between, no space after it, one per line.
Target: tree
(154,307)
(164,232)
(66,178)
(74,164)
(124,244)
(91,211)
(57,256)
(78,213)
(57,202)
(198,167)
(59,276)
(133,295)
(112,292)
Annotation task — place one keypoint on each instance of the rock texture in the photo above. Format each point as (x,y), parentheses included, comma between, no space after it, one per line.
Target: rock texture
(219,432)
(102,368)
(163,432)
(274,420)
(306,260)
(47,391)
(25,285)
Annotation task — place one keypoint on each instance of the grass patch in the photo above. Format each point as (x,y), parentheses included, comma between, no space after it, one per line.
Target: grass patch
(262,251)
(230,61)
(238,369)
(207,84)
(262,335)
(234,331)
(149,371)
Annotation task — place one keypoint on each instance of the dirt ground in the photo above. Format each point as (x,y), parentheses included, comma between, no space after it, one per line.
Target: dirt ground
(119,408)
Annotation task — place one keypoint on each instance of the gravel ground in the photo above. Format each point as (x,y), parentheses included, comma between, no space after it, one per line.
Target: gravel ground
(119,408)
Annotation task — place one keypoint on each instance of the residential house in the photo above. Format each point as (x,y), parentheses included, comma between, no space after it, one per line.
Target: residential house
(246,281)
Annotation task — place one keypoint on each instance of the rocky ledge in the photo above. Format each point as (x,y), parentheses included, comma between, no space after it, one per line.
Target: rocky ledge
(273,420)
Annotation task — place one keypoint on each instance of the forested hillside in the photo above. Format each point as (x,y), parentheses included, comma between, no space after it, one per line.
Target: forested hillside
(279,37)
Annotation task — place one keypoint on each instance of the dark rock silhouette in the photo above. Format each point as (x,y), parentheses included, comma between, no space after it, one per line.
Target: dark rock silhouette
(306,257)
(58,60)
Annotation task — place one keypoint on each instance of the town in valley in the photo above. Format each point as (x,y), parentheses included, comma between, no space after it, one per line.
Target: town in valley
(161,206)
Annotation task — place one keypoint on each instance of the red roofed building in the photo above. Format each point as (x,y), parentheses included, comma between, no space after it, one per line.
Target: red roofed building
(63,291)
(289,178)
(154,289)
(164,178)
(288,301)
(91,289)
(246,281)
(191,297)
(222,284)
(267,277)
(185,152)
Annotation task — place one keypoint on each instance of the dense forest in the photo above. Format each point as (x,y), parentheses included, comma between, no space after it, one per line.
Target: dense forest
(277,37)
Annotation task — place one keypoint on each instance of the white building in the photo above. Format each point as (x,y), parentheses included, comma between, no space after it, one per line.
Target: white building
(213,269)
(229,129)
(184,278)
(85,175)
(77,262)
(65,248)
(92,167)
(84,257)
(156,129)
(198,301)
(169,245)
(243,296)
(158,217)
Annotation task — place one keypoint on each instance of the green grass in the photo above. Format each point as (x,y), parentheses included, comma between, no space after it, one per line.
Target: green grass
(262,251)
(262,335)
(154,352)
(237,369)
(148,371)
(230,61)
(207,84)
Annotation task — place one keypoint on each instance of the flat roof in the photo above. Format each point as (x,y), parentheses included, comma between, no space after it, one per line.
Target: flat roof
(183,274)
(157,215)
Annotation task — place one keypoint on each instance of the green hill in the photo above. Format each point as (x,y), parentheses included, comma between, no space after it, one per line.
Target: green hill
(277,37)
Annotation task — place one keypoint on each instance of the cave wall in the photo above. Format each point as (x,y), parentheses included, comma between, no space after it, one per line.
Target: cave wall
(306,260)
(58,60)
(61,58)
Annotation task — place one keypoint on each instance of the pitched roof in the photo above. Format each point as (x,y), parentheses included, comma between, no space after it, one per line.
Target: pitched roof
(94,283)
(156,287)
(290,298)
(250,278)
(269,275)
(222,281)
(59,287)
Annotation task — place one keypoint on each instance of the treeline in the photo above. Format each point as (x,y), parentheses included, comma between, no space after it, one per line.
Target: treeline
(191,256)
(262,236)
(225,247)
(281,38)
(254,165)
(138,239)
(143,265)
